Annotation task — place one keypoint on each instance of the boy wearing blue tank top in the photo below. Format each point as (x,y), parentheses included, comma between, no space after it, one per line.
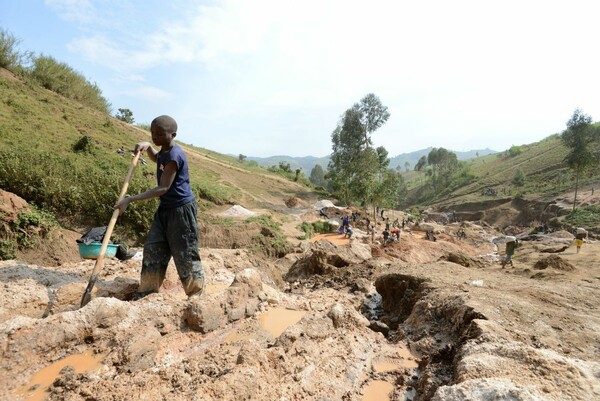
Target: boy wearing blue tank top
(174,230)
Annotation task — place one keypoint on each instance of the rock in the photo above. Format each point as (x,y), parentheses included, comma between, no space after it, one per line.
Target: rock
(250,279)
(555,262)
(140,349)
(204,315)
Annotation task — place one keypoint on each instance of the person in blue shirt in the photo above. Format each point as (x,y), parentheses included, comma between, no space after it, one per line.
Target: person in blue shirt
(174,230)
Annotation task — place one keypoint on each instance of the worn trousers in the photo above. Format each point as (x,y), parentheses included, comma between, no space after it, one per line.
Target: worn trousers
(174,233)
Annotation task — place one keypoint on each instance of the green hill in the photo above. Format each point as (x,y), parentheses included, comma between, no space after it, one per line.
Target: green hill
(62,158)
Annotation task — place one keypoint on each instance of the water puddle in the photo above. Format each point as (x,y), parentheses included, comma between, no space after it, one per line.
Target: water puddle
(277,320)
(401,358)
(37,387)
(378,390)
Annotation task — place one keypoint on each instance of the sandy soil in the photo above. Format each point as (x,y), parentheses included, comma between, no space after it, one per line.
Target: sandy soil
(335,320)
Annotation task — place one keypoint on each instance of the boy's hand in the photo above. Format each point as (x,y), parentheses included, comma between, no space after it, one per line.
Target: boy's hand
(142,147)
(122,205)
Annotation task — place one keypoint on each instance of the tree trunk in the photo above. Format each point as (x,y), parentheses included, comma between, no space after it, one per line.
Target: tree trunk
(576,186)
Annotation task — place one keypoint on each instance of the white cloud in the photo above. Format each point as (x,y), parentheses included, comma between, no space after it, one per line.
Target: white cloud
(461,72)
(149,94)
(81,11)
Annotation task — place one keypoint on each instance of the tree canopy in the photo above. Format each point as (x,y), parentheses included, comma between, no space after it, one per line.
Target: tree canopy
(578,137)
(357,169)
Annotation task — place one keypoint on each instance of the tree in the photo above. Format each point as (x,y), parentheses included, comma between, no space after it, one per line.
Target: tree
(125,115)
(421,163)
(354,163)
(578,137)
(519,178)
(443,165)
(317,176)
(407,165)
(241,158)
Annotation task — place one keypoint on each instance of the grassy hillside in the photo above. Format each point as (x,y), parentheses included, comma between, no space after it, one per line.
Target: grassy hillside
(62,157)
(542,163)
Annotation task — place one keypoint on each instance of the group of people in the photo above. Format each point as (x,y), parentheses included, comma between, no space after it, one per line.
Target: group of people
(512,243)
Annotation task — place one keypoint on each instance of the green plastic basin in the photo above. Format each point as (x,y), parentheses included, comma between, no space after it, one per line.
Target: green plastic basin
(92,250)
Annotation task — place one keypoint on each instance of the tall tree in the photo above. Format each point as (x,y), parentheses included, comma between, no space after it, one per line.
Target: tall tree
(354,163)
(317,176)
(125,115)
(578,137)
(443,165)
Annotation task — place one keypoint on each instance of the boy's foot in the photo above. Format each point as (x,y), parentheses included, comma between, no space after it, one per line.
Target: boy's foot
(139,295)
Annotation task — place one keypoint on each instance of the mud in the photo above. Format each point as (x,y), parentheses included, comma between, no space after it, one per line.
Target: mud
(413,320)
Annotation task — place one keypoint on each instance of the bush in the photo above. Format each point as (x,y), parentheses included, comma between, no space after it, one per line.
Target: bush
(519,178)
(315,227)
(62,79)
(83,145)
(514,151)
(10,57)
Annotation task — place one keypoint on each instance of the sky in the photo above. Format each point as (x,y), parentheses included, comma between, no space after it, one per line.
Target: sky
(273,77)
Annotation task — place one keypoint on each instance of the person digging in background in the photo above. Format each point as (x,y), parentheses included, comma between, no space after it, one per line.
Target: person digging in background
(511,245)
(174,230)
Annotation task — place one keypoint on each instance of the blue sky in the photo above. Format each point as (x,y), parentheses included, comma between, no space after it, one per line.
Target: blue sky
(272,77)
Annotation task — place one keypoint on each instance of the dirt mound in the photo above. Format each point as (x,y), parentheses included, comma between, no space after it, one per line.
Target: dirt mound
(295,203)
(555,262)
(238,211)
(11,205)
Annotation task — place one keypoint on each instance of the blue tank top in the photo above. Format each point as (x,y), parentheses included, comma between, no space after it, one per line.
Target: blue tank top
(180,191)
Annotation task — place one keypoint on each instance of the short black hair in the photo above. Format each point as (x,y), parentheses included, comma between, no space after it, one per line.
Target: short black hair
(166,123)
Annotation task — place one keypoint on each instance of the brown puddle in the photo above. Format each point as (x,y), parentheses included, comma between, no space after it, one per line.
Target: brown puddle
(406,360)
(37,387)
(377,390)
(276,320)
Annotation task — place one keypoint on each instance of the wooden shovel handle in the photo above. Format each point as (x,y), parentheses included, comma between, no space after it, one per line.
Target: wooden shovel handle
(111,225)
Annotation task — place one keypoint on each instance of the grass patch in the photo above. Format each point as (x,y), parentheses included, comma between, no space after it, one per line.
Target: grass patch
(24,231)
(270,241)
(315,227)
(586,216)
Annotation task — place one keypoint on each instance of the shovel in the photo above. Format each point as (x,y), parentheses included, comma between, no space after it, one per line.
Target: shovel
(87,295)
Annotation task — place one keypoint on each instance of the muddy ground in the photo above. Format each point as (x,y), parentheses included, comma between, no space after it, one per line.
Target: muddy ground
(334,320)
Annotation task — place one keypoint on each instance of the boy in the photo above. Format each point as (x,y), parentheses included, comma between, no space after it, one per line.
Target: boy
(174,230)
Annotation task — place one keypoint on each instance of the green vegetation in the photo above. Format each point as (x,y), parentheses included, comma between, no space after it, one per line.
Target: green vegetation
(11,57)
(359,173)
(519,178)
(24,231)
(579,137)
(319,226)
(270,241)
(585,216)
(125,115)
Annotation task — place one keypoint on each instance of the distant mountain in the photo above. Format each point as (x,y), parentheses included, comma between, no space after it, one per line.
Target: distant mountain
(307,163)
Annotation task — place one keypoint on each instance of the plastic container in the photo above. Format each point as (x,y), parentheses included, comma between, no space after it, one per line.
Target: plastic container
(92,250)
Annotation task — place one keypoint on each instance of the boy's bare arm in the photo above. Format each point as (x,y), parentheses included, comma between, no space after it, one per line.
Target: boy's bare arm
(166,180)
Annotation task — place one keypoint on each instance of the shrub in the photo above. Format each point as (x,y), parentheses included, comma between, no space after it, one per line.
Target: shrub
(64,80)
(10,57)
(519,178)
(83,145)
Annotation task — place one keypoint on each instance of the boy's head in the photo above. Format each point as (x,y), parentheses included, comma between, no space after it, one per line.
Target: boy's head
(166,123)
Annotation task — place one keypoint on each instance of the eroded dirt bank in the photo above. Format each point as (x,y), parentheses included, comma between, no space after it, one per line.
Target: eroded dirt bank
(346,322)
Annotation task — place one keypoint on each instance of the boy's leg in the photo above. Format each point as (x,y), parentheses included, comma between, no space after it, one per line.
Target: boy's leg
(156,258)
(182,235)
